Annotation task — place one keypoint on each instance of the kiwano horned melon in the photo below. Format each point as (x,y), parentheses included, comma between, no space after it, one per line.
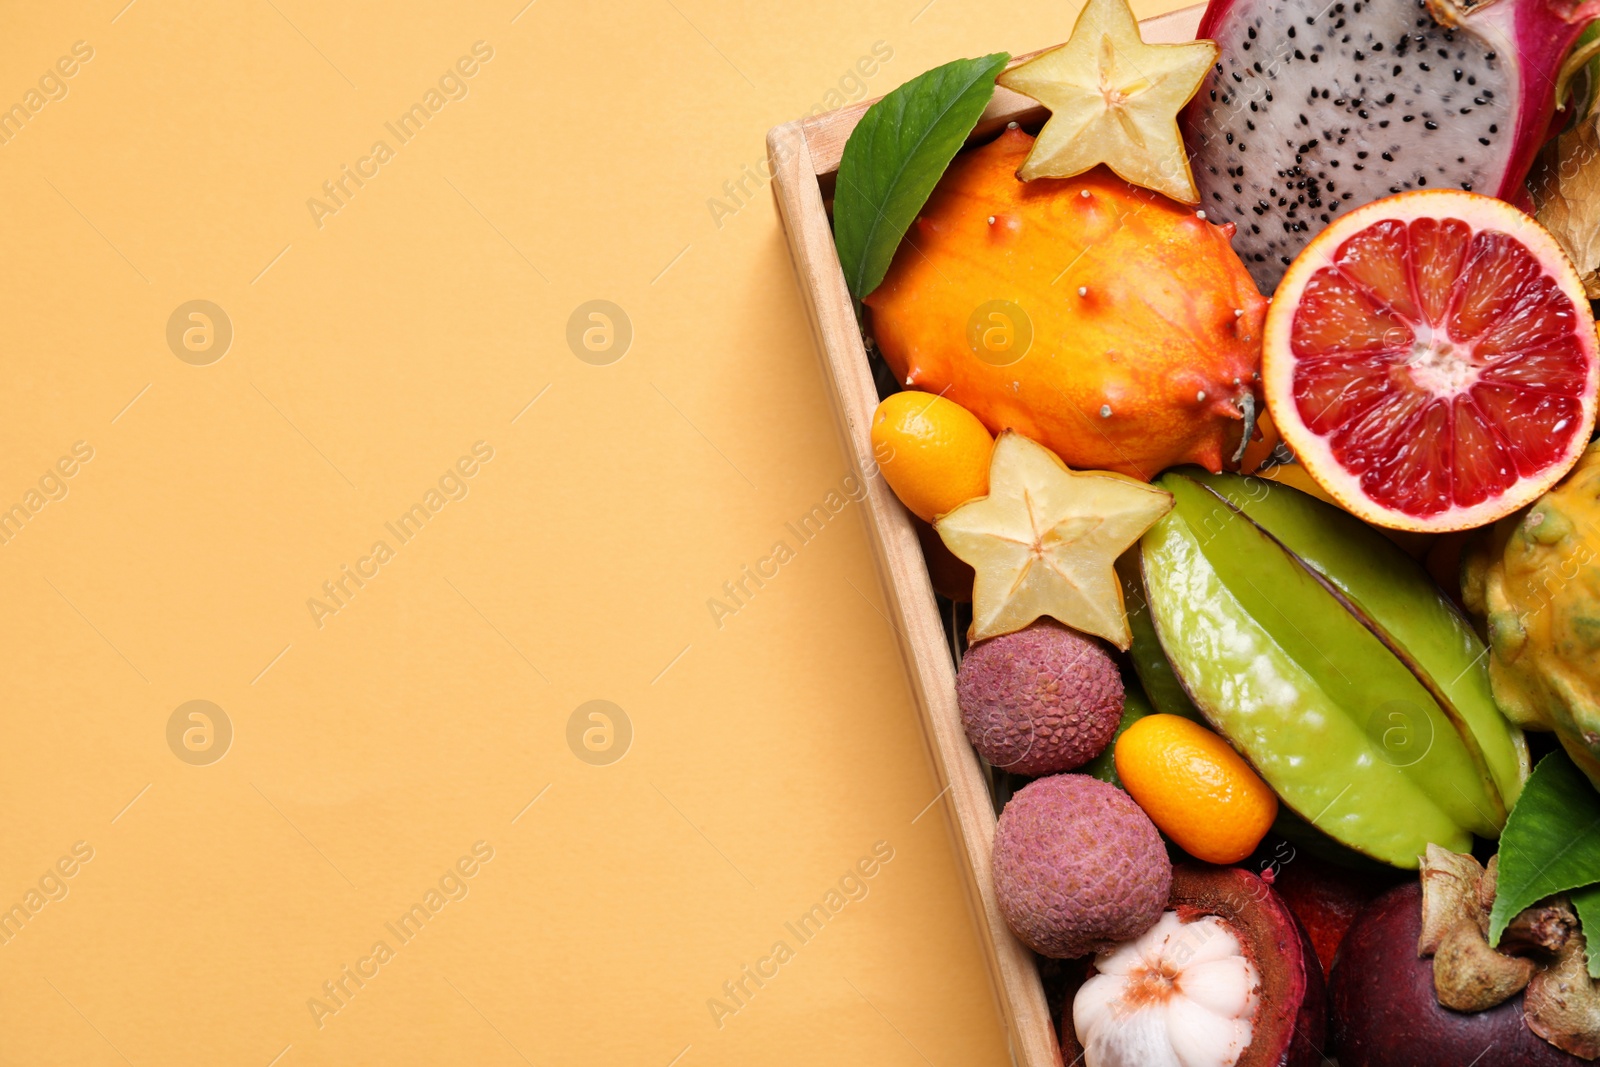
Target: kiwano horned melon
(1537,580)
(1108,323)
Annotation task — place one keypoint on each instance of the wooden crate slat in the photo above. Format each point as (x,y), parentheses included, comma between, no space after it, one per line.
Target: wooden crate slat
(804,157)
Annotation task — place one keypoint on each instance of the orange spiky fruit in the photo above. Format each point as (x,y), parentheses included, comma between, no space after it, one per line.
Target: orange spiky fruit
(1109,323)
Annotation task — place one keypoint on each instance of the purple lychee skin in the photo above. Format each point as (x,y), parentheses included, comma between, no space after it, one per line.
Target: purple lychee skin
(1039,701)
(1078,866)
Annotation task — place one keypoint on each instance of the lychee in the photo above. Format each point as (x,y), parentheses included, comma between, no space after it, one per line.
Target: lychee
(1078,867)
(1041,700)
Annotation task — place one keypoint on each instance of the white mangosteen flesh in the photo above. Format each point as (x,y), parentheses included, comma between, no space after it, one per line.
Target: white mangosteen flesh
(1181,995)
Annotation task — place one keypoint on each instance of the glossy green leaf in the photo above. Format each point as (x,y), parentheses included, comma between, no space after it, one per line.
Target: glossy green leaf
(896,155)
(1551,843)
(1586,902)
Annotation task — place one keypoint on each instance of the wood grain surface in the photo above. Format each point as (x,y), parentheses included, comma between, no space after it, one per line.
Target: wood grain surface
(804,156)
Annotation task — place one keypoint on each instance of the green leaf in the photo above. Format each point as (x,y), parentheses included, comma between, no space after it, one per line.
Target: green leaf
(1586,902)
(895,157)
(1551,843)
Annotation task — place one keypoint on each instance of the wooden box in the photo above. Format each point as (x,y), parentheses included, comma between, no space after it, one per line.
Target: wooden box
(804,156)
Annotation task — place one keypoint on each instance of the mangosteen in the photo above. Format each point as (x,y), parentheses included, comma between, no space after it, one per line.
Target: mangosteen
(1226,977)
(1385,1012)
(1326,897)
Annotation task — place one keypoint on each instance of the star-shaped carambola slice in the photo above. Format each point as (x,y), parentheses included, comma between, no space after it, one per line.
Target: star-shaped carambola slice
(1114,99)
(1044,541)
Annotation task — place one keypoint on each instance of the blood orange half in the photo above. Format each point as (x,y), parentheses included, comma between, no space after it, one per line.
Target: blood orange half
(1431,359)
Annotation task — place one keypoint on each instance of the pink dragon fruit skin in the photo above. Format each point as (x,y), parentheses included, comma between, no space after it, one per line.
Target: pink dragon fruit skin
(1315,108)
(1544,33)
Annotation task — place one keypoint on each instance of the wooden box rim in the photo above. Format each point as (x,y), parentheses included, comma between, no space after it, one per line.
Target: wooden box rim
(804,156)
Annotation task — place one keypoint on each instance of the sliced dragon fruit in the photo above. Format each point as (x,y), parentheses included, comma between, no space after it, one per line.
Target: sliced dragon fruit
(1315,108)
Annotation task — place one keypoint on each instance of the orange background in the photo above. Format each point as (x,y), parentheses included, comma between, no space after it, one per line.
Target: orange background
(373,746)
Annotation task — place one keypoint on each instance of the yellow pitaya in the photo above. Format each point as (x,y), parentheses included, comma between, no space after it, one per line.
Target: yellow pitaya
(1535,579)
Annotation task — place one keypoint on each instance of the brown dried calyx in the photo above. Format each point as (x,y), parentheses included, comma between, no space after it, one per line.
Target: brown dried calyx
(1452,13)
(1468,973)
(1562,1004)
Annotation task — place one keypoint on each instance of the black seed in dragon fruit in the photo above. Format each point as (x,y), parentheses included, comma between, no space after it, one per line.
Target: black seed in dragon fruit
(1316,108)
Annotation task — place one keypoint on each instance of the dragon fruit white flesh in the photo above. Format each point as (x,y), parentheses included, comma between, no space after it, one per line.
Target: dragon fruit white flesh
(1316,108)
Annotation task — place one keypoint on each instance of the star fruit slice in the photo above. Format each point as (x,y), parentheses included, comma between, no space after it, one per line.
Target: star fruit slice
(1114,99)
(1044,541)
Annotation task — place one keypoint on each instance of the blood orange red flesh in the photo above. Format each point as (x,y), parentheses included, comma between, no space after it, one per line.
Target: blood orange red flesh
(1432,359)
